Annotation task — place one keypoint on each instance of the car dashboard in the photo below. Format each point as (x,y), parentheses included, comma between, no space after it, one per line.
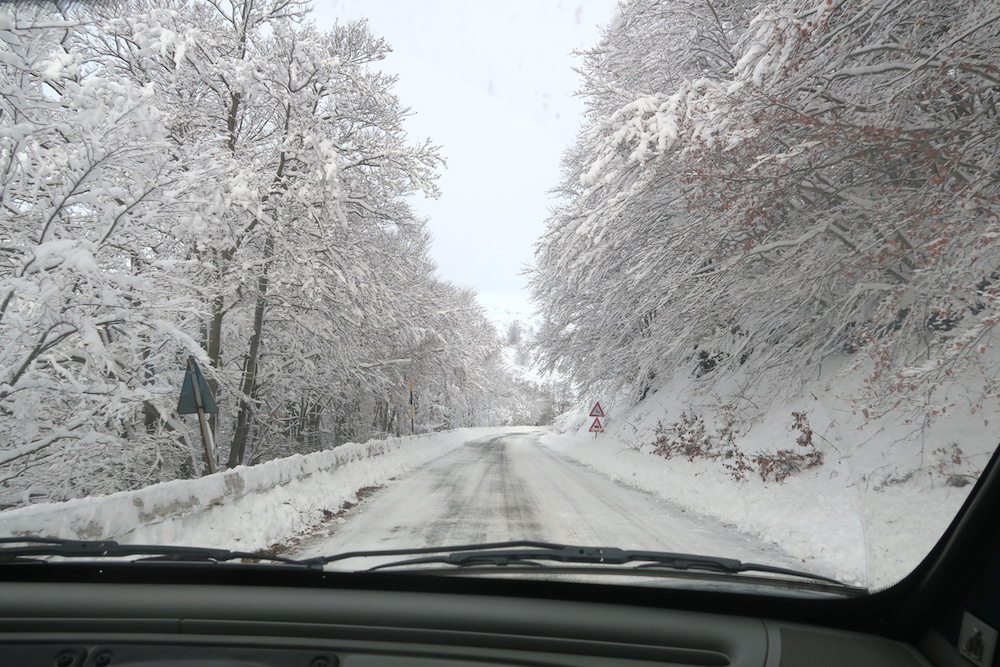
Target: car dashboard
(73,624)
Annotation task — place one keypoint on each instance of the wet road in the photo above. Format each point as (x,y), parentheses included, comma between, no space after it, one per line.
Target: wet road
(513,488)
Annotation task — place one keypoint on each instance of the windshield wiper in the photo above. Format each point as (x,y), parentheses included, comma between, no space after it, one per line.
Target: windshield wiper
(38,547)
(520,553)
(530,553)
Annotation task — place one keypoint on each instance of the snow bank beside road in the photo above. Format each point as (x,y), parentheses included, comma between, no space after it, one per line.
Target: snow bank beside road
(247,507)
(825,532)
(859,536)
(868,515)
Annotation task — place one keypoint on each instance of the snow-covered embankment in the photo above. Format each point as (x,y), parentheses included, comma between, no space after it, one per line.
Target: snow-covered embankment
(248,507)
(886,490)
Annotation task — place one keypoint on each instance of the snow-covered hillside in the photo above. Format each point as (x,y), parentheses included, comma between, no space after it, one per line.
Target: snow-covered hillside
(884,492)
(544,395)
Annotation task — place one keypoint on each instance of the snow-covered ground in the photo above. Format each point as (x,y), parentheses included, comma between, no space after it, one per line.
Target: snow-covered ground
(883,497)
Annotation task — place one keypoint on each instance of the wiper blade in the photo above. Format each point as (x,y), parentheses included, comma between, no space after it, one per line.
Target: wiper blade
(530,553)
(37,547)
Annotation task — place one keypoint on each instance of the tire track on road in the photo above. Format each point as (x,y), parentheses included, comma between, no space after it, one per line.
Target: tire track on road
(513,488)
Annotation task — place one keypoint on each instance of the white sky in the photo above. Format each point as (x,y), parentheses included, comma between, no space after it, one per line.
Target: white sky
(492,84)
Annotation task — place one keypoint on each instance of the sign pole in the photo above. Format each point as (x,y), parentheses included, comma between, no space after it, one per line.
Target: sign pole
(206,432)
(196,398)
(411,406)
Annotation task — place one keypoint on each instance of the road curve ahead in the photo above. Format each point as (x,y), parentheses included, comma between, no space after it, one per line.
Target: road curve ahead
(511,487)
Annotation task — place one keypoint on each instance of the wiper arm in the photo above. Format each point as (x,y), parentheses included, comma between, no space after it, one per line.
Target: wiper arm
(347,555)
(37,547)
(529,553)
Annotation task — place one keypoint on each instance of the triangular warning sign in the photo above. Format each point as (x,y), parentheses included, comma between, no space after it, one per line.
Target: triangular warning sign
(598,411)
(596,426)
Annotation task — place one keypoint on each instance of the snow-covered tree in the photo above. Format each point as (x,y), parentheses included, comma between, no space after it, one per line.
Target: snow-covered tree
(87,198)
(823,184)
(313,166)
(217,178)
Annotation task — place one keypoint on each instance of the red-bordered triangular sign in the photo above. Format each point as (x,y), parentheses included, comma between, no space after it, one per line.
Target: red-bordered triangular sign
(598,411)
(596,426)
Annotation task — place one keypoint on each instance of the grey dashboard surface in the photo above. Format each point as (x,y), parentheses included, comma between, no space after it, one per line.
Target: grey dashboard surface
(105,625)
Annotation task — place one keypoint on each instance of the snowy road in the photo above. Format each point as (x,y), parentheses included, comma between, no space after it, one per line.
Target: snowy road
(509,488)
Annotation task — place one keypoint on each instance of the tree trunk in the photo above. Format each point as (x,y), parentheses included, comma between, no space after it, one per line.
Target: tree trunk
(313,425)
(215,355)
(248,385)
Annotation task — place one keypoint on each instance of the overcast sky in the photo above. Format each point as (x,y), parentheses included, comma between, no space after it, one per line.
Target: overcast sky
(492,83)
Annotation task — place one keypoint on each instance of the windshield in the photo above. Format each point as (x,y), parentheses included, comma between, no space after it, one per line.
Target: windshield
(709,286)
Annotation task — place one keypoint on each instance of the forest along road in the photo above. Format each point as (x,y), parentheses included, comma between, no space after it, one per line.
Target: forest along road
(513,488)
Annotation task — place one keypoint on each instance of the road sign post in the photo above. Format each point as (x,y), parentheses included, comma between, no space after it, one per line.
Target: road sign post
(597,412)
(196,398)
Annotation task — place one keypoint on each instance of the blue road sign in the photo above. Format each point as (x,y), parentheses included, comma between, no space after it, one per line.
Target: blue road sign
(195,392)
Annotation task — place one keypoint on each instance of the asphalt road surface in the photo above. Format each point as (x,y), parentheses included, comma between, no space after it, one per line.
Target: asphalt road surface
(512,488)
